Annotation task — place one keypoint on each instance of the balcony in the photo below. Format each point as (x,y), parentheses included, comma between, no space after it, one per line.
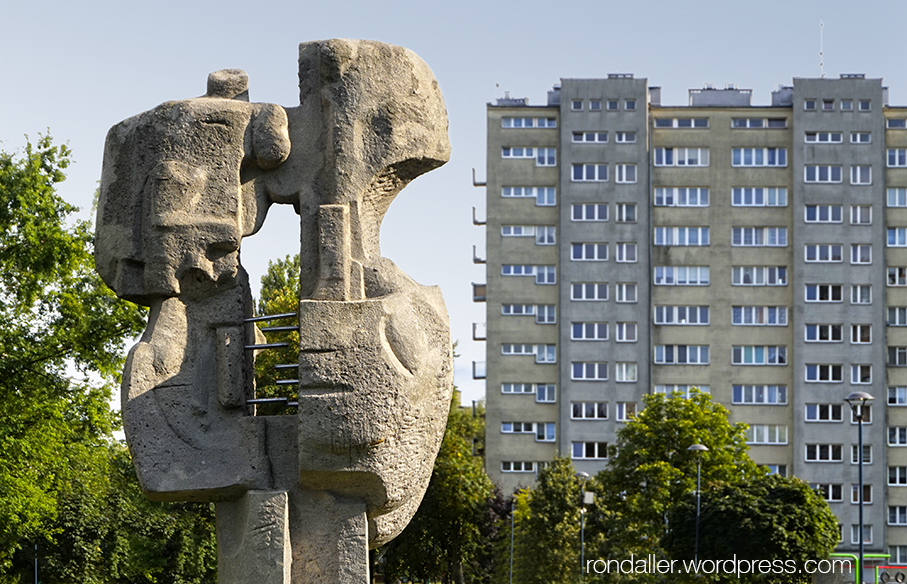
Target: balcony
(478,370)
(478,292)
(479,332)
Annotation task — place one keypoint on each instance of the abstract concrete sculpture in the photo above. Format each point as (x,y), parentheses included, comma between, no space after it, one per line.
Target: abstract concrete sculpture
(299,499)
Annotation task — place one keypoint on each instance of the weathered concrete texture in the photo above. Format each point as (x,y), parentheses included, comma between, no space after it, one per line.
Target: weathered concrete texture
(299,499)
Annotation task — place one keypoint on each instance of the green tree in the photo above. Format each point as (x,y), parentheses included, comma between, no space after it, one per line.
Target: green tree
(279,295)
(63,329)
(450,535)
(771,518)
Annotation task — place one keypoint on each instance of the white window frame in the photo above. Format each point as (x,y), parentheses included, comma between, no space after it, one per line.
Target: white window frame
(824,413)
(759,315)
(827,290)
(626,252)
(681,276)
(743,394)
(682,315)
(626,292)
(823,173)
(680,236)
(824,213)
(590,137)
(584,287)
(681,156)
(824,333)
(824,373)
(589,410)
(625,173)
(681,196)
(589,331)
(861,374)
(759,236)
(860,253)
(589,251)
(759,355)
(766,434)
(897,157)
(589,450)
(671,354)
(823,253)
(832,453)
(589,370)
(775,157)
(580,212)
(626,371)
(544,196)
(589,172)
(861,174)
(897,197)
(824,137)
(759,197)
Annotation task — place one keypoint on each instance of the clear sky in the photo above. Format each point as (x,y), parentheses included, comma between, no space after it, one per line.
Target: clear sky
(77,68)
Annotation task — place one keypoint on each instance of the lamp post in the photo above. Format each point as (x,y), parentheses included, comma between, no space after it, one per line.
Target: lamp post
(857,401)
(582,521)
(512,512)
(698,449)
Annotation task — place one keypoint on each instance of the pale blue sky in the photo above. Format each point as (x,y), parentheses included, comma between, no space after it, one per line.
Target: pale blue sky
(77,68)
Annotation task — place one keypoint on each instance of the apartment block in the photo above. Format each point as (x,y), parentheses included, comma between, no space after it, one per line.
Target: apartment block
(758,253)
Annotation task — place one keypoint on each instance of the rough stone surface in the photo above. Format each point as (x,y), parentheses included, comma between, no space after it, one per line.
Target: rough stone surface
(299,499)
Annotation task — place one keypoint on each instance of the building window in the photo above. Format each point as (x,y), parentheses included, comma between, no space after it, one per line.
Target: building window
(897,436)
(867,415)
(855,529)
(682,236)
(590,137)
(865,105)
(682,123)
(855,494)
(590,172)
(759,157)
(543,156)
(518,427)
(544,196)
(625,173)
(698,315)
(682,275)
(682,354)
(897,356)
(824,373)
(543,274)
(897,197)
(625,371)
(576,105)
(824,213)
(760,394)
(861,215)
(759,197)
(528,122)
(824,333)
(680,391)
(517,388)
(544,313)
(589,291)
(681,157)
(626,332)
(759,315)
(832,493)
(846,105)
(898,554)
(897,157)
(613,105)
(589,212)
(824,413)
(589,450)
(897,316)
(867,457)
(861,334)
(681,197)
(809,105)
(896,123)
(860,138)
(595,105)
(824,252)
(625,137)
(759,275)
(625,213)
(897,515)
(626,291)
(777,469)
(544,234)
(759,355)
(546,393)
(595,252)
(545,432)
(759,236)
(823,173)
(860,374)
(766,434)
(861,294)
(825,137)
(861,174)
(897,276)
(771,123)
(626,252)
(630,104)
(519,466)
(828,105)
(897,237)
(824,453)
(897,476)
(824,293)
(860,253)
(589,331)
(543,353)
(589,371)
(625,411)
(589,410)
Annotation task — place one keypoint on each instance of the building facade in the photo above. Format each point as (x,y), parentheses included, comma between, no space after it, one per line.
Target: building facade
(756,252)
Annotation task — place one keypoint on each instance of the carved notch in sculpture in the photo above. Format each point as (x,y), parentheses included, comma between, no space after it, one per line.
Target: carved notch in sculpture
(181,185)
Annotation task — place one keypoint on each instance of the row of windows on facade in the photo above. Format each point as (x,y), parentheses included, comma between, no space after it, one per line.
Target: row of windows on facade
(511,122)
(700,197)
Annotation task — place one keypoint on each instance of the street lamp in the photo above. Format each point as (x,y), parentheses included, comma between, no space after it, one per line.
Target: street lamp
(698,449)
(582,521)
(857,402)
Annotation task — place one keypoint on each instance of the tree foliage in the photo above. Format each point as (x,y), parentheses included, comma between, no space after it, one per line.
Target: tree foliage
(450,535)
(279,295)
(62,330)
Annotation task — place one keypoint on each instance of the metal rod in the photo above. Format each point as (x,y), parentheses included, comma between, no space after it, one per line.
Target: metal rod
(279,329)
(266,346)
(860,460)
(287,382)
(287,366)
(267,400)
(269,317)
(292,404)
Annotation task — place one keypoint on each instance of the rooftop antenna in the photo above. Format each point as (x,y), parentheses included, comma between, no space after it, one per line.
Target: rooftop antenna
(821,49)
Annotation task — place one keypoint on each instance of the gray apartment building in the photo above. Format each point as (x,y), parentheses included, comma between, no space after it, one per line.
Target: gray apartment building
(756,252)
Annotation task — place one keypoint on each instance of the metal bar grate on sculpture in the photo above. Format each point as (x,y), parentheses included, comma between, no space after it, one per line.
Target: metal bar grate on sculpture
(299,498)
